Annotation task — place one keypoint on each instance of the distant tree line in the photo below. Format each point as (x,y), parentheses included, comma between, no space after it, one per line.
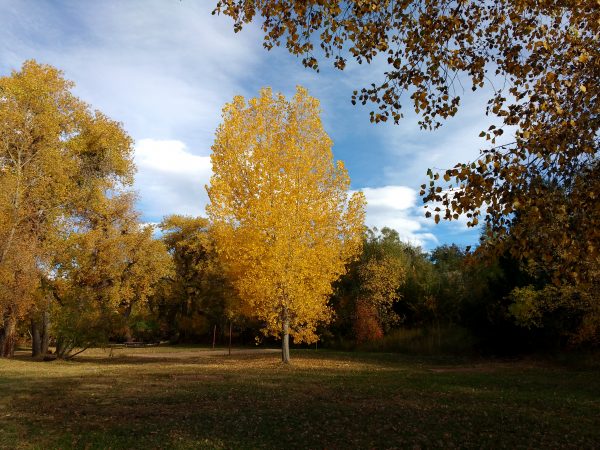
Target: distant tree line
(79,269)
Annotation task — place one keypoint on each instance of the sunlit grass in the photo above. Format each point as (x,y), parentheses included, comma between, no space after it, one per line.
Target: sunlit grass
(197,398)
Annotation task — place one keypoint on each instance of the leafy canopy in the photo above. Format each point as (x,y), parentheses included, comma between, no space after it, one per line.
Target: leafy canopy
(68,230)
(541,60)
(57,157)
(282,220)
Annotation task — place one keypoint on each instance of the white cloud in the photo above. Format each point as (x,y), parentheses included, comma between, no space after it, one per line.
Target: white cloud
(170,179)
(395,198)
(164,69)
(396,207)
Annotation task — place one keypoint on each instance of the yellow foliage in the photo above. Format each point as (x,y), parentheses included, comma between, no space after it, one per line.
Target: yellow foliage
(283,222)
(111,261)
(61,164)
(380,280)
(537,193)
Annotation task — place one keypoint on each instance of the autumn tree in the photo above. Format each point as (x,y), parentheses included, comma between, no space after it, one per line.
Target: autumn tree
(54,154)
(198,294)
(540,63)
(283,222)
(104,274)
(380,272)
(68,232)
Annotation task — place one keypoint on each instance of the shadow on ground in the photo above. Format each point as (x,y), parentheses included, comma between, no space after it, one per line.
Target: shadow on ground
(329,400)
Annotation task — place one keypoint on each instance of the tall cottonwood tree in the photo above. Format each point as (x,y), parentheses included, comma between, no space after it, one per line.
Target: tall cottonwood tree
(540,61)
(282,219)
(57,157)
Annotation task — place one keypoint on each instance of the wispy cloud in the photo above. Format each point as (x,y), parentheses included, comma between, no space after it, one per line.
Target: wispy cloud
(166,68)
(396,207)
(170,179)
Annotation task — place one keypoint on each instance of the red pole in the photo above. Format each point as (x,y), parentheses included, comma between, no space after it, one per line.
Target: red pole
(230,338)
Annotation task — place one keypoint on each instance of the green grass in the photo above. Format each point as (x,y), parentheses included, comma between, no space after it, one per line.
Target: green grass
(142,398)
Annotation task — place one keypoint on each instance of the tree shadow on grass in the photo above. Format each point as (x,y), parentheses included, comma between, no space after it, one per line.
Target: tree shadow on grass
(252,401)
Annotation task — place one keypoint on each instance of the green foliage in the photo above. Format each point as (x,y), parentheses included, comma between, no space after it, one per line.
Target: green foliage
(500,307)
(525,307)
(566,311)
(446,340)
(198,295)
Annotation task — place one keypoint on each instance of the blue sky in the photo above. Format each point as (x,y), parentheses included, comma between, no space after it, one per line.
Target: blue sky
(165,69)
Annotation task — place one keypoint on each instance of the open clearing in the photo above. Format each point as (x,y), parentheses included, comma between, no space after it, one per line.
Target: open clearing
(192,398)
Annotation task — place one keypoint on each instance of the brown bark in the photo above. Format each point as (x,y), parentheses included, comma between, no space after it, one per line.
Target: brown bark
(285,341)
(39,335)
(8,336)
(45,344)
(36,338)
(61,347)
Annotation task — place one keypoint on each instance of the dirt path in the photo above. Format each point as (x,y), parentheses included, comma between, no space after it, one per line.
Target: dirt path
(194,353)
(163,353)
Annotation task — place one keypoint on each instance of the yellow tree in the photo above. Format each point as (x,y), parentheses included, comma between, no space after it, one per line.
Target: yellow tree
(56,157)
(537,191)
(283,221)
(106,270)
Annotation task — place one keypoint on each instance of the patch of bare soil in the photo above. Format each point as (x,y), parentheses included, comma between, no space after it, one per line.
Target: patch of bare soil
(200,353)
(467,369)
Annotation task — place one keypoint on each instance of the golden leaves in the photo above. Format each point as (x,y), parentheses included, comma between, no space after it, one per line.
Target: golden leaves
(547,61)
(282,220)
(65,171)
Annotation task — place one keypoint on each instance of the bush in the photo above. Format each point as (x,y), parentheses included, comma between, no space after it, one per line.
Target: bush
(426,340)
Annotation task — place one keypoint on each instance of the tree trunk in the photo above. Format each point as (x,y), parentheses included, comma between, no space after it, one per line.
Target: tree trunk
(39,335)
(36,339)
(45,343)
(60,347)
(8,336)
(285,341)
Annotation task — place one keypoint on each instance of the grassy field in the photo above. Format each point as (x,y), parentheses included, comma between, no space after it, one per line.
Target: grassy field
(193,398)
